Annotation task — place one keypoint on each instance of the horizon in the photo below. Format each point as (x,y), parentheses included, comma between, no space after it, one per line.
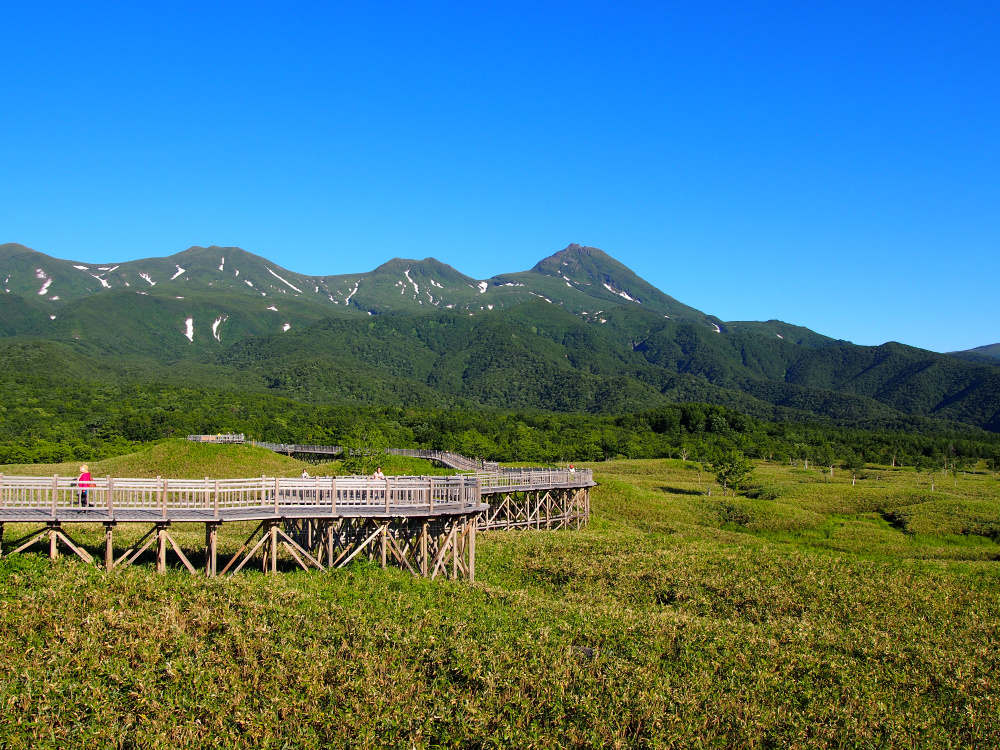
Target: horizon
(834,167)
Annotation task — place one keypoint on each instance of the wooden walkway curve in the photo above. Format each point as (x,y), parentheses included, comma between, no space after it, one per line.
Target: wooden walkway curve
(427,525)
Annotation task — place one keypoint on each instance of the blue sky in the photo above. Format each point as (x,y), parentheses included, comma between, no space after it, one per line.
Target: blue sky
(834,165)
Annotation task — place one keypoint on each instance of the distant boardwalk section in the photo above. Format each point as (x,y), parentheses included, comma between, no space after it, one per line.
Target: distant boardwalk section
(227,438)
(427,525)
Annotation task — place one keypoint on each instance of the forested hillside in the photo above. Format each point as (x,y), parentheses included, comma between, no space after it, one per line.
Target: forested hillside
(579,332)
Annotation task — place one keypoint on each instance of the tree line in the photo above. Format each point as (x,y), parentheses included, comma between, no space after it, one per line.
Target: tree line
(88,422)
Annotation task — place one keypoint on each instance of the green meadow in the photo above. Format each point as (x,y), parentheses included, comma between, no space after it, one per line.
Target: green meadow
(803,612)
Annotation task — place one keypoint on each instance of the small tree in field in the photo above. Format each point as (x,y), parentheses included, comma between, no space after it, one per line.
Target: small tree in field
(732,468)
(854,464)
(364,450)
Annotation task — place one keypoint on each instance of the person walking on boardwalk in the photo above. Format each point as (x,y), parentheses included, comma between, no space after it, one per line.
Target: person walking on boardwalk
(305,474)
(84,482)
(378,473)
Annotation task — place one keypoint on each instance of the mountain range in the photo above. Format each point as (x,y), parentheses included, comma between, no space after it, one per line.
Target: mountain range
(577,332)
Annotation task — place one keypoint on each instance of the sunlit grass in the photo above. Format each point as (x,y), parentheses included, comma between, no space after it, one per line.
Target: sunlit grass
(812,614)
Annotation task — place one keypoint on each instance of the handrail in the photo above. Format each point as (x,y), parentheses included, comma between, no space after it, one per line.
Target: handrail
(165,495)
(449,458)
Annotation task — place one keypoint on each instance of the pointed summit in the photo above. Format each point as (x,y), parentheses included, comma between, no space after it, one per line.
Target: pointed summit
(597,274)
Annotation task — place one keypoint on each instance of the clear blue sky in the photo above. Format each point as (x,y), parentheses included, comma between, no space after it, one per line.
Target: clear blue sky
(835,165)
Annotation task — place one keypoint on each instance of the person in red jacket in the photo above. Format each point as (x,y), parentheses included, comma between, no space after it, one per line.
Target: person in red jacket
(85,482)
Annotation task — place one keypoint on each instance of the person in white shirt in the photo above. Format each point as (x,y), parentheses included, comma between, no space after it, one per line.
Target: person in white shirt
(378,473)
(305,474)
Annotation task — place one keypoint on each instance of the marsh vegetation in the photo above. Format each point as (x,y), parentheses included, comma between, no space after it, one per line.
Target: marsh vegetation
(802,612)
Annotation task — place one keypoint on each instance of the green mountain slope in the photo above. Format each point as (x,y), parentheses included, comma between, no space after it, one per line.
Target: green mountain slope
(578,332)
(989,354)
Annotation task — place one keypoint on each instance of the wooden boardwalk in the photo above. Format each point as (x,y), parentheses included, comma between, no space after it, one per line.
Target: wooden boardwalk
(425,524)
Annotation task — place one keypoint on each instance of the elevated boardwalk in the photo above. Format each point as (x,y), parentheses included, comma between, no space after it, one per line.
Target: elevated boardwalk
(445,458)
(425,524)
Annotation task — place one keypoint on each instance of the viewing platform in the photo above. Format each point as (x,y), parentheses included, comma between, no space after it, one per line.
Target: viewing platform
(423,523)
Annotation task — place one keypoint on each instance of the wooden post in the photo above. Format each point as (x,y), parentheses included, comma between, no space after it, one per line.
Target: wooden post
(423,548)
(273,531)
(110,504)
(109,549)
(208,491)
(454,548)
(276,488)
(163,495)
(211,549)
(55,494)
(161,548)
(333,497)
(384,542)
(387,492)
(216,500)
(53,544)
(472,549)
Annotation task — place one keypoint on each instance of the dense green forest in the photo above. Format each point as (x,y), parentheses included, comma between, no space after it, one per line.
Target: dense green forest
(88,420)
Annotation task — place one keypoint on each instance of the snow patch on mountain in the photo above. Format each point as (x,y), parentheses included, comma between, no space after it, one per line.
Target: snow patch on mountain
(104,283)
(284,281)
(272,307)
(483,286)
(416,289)
(286,326)
(82,268)
(354,291)
(215,326)
(146,277)
(620,293)
(222,265)
(179,272)
(189,329)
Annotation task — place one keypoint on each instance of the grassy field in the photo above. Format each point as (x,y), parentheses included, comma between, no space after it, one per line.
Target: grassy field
(812,613)
(183,459)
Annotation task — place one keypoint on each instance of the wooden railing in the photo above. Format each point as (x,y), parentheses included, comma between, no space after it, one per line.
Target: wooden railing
(530,479)
(112,494)
(167,495)
(329,450)
(448,458)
